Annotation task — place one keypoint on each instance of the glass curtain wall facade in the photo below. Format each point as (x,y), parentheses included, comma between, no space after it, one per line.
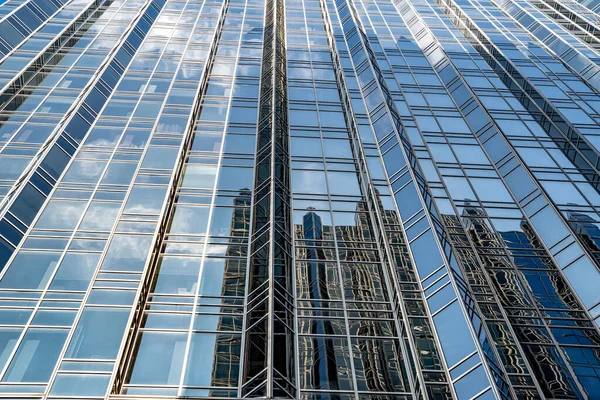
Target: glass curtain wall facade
(300,199)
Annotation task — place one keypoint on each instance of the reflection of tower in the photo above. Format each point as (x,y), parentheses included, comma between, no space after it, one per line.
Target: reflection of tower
(559,286)
(324,359)
(225,370)
(226,362)
(502,338)
(362,277)
(362,283)
(497,252)
(237,251)
(312,228)
(563,291)
(586,228)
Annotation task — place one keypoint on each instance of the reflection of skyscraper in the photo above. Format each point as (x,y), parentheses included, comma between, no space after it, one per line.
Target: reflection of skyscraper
(548,369)
(361,282)
(478,283)
(312,230)
(323,367)
(530,289)
(586,227)
(234,276)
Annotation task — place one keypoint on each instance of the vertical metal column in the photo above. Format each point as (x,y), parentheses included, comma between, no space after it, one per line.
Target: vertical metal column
(269,335)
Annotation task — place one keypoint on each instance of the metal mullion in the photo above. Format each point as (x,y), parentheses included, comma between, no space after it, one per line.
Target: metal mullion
(557,11)
(543,44)
(38,10)
(282,122)
(257,387)
(17,7)
(76,372)
(281,387)
(257,322)
(579,35)
(555,344)
(250,309)
(20,26)
(39,300)
(269,106)
(251,233)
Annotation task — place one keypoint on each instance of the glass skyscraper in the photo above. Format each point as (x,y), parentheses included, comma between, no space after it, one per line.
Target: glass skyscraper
(300,199)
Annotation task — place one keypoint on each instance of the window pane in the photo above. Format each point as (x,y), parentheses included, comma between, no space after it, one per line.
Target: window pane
(584,278)
(159,359)
(426,254)
(199,176)
(343,183)
(100,216)
(37,355)
(178,275)
(221,223)
(119,173)
(54,318)
(8,341)
(189,220)
(235,178)
(491,190)
(145,200)
(16,316)
(29,270)
(75,271)
(160,157)
(472,383)
(240,143)
(454,334)
(84,171)
(61,214)
(12,167)
(223,277)
(127,253)
(80,385)
(325,362)
(302,146)
(379,365)
(309,182)
(213,360)
(98,333)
